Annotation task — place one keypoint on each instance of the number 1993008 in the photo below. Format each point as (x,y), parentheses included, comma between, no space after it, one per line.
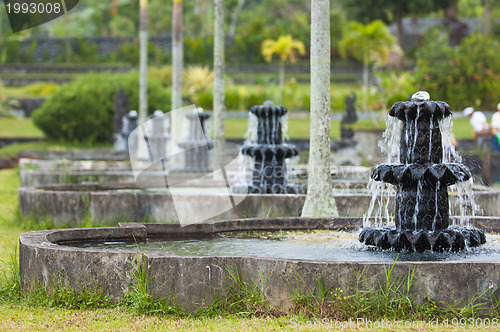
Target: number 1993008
(33,8)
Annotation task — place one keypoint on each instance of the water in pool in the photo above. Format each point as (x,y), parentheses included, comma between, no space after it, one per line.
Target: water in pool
(316,245)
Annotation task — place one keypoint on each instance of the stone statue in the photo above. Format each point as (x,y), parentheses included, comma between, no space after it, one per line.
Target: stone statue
(120,108)
(350,117)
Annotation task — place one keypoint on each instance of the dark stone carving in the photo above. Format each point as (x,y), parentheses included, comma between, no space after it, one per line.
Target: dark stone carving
(350,117)
(421,178)
(269,153)
(120,108)
(457,29)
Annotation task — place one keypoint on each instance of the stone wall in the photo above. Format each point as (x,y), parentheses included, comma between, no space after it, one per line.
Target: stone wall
(49,49)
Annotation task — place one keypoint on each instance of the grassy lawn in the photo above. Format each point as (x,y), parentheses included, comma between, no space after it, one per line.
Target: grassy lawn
(19,317)
(235,128)
(13,150)
(9,233)
(14,127)
(297,128)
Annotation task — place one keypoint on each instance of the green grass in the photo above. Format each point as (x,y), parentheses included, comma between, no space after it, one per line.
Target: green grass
(235,128)
(297,128)
(14,127)
(462,128)
(19,317)
(9,232)
(13,150)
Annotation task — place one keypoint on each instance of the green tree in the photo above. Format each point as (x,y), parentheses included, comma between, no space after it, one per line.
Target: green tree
(143,61)
(463,76)
(219,107)
(369,43)
(488,7)
(392,10)
(177,65)
(286,48)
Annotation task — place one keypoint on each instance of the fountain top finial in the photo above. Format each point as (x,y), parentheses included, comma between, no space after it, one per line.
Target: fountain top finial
(268,103)
(421,96)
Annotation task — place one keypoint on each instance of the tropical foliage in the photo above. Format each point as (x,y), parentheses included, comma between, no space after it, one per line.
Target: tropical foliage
(370,43)
(463,76)
(286,48)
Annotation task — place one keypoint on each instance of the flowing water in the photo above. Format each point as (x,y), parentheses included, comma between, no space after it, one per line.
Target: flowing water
(378,213)
(378,209)
(251,134)
(467,207)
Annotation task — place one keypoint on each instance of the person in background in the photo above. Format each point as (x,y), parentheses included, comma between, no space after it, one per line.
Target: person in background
(495,129)
(479,125)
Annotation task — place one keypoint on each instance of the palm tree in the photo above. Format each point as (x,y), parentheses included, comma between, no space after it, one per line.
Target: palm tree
(177,55)
(219,109)
(319,199)
(143,61)
(286,48)
(234,17)
(371,43)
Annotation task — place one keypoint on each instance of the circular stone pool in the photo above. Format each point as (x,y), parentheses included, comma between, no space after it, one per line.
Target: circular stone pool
(196,265)
(313,245)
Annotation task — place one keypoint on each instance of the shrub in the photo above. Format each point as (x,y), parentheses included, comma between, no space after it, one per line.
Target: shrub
(305,102)
(204,99)
(163,74)
(198,50)
(41,88)
(463,76)
(256,98)
(232,99)
(83,110)
(129,53)
(197,79)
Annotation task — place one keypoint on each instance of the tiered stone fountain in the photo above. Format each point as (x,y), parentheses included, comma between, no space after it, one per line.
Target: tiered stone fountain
(195,279)
(269,153)
(421,177)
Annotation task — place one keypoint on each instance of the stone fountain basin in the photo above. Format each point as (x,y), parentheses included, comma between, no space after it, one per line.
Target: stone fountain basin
(36,172)
(104,154)
(113,202)
(68,164)
(45,172)
(195,280)
(35,177)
